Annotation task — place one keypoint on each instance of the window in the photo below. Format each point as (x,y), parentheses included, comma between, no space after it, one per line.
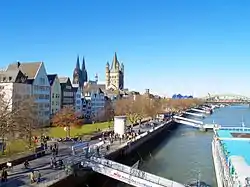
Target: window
(4,78)
(10,78)
(42,81)
(53,95)
(52,102)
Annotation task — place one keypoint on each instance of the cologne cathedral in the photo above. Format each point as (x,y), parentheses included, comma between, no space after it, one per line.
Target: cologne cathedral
(80,75)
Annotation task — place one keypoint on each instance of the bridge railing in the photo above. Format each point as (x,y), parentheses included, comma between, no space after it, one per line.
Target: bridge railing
(134,172)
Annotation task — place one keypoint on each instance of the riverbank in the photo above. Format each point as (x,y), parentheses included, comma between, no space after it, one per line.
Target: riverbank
(135,151)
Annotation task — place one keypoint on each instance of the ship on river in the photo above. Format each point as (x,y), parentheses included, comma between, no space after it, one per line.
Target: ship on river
(231,156)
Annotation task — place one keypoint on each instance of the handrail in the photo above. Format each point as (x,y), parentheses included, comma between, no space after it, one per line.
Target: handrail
(134,172)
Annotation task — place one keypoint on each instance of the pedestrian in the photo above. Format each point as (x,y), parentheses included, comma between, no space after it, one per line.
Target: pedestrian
(32,177)
(53,151)
(38,177)
(5,175)
(2,176)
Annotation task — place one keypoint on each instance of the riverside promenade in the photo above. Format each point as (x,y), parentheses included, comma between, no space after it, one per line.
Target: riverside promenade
(19,176)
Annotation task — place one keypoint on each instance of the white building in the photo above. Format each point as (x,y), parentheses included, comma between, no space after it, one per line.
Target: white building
(97,102)
(78,98)
(13,88)
(55,93)
(86,107)
(37,77)
(94,93)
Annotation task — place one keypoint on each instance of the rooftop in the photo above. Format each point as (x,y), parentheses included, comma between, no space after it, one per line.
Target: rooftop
(236,141)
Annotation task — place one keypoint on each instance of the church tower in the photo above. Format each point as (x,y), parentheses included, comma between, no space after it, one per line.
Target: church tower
(84,72)
(107,75)
(115,75)
(77,72)
(80,75)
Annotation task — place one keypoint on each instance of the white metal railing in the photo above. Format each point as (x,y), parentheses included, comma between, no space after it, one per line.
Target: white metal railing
(135,172)
(187,119)
(223,167)
(240,129)
(188,123)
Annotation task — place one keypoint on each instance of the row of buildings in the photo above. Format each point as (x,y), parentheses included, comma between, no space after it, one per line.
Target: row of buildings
(52,92)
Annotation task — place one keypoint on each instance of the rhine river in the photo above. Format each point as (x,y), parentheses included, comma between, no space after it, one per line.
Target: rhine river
(187,152)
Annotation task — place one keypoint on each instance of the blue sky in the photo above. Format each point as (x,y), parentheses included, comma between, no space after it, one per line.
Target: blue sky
(177,46)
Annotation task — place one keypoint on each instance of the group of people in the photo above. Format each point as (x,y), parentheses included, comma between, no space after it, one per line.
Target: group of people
(55,163)
(35,176)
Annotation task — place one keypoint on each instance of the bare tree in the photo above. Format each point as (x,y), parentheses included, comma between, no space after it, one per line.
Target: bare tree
(66,118)
(108,110)
(26,119)
(131,107)
(17,118)
(152,107)
(181,104)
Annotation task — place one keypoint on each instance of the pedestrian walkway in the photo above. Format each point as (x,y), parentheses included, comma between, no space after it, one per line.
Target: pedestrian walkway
(19,176)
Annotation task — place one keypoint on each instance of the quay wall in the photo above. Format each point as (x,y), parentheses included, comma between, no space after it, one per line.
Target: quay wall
(127,155)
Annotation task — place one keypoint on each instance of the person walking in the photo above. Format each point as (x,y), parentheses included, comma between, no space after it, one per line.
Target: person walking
(32,177)
(38,177)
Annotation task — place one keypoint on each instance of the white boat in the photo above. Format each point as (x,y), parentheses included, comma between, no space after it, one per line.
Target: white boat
(230,147)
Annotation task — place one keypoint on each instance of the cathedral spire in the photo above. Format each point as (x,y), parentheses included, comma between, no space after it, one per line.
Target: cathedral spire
(83,64)
(84,72)
(78,63)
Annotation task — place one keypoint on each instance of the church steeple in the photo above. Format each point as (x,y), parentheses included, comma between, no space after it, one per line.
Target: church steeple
(84,72)
(77,72)
(115,63)
(83,64)
(78,63)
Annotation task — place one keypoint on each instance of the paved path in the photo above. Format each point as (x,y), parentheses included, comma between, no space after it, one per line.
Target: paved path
(19,176)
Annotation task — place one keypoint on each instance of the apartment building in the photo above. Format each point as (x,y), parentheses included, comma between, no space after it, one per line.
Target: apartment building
(40,87)
(14,88)
(96,96)
(67,92)
(78,98)
(55,93)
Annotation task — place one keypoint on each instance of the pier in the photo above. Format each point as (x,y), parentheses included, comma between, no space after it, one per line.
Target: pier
(195,123)
(194,114)
(201,111)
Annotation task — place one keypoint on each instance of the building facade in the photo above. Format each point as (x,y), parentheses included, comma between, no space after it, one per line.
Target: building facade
(93,92)
(14,88)
(40,87)
(80,75)
(55,93)
(86,107)
(67,92)
(78,99)
(115,75)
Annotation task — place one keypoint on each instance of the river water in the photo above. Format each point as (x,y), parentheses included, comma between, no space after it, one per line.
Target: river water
(186,155)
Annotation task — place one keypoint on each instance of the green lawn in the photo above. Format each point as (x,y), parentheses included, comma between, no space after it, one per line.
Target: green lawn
(86,129)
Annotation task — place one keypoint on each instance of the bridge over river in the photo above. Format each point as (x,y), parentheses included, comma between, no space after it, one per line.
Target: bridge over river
(227,99)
